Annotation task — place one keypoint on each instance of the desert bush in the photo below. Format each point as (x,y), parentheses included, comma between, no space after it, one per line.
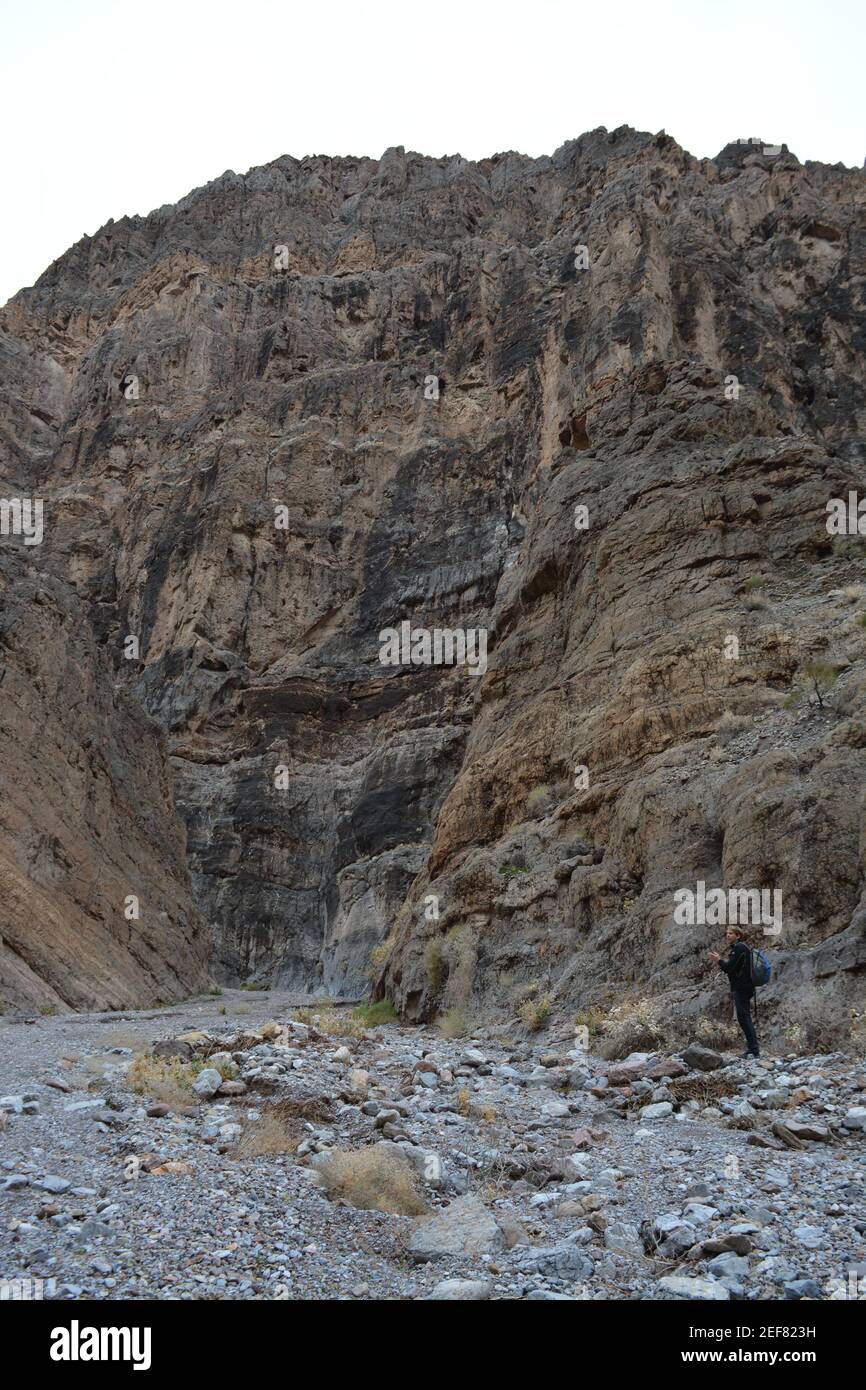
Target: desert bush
(535,1011)
(821,678)
(380,954)
(817,678)
(460,957)
(167,1080)
(631,1026)
(857,1032)
(592,1019)
(372,1179)
(512,870)
(716,1033)
(541,799)
(334,1022)
(435,966)
(453,1023)
(729,726)
(270,1134)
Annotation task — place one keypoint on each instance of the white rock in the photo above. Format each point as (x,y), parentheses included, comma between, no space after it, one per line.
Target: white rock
(463,1290)
(705,1290)
(659,1111)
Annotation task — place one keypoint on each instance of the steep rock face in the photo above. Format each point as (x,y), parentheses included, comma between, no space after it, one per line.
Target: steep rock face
(87,822)
(228,408)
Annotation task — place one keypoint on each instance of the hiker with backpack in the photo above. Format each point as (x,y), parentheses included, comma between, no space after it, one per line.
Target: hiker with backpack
(745,969)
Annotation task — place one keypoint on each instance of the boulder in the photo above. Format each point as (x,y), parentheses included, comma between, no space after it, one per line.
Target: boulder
(464,1227)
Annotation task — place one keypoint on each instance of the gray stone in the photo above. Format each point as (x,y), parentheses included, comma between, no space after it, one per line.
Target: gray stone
(465,1227)
(659,1111)
(702,1058)
(207,1083)
(461,1290)
(703,1290)
(52,1183)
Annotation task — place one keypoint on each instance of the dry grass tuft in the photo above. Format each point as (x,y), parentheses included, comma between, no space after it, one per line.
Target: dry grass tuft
(332,1022)
(631,1026)
(720,1036)
(705,1089)
(453,1023)
(281,1126)
(372,1179)
(167,1080)
(270,1134)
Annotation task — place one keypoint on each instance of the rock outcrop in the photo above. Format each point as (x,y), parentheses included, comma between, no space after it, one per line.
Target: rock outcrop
(95,906)
(593,405)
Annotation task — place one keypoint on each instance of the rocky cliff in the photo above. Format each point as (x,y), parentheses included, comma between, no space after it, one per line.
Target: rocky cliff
(95,907)
(592,406)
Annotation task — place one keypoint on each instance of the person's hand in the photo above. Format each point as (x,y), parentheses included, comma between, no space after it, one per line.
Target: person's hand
(714,957)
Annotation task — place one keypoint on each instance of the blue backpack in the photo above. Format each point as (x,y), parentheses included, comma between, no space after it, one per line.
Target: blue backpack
(759,967)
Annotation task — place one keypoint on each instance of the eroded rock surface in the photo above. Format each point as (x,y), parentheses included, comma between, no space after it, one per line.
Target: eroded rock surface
(87,821)
(698,387)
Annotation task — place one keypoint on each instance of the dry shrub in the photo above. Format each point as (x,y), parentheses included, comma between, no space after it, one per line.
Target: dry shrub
(487,1113)
(592,1019)
(458,958)
(331,1021)
(372,1179)
(281,1126)
(316,1109)
(720,1035)
(535,1012)
(631,1026)
(540,800)
(374,1014)
(270,1134)
(164,1079)
(705,1088)
(453,1023)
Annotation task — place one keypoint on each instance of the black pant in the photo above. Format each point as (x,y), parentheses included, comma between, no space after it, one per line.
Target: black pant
(743,1005)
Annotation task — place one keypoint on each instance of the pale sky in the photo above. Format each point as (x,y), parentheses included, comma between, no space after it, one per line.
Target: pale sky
(111,108)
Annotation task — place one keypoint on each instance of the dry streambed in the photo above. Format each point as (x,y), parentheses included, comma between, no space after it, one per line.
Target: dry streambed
(244,1148)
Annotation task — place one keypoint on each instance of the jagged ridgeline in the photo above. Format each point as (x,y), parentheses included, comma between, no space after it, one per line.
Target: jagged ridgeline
(583,415)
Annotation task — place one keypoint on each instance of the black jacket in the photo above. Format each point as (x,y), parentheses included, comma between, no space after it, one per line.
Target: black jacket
(738,968)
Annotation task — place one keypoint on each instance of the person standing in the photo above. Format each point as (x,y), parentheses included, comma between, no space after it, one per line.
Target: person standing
(738,968)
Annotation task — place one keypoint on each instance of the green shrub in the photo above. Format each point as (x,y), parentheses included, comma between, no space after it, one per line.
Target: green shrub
(371,1015)
(435,967)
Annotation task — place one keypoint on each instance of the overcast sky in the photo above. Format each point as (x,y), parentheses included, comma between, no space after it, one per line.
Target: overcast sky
(111,108)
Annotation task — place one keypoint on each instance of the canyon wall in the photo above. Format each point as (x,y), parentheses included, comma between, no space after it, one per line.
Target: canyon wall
(593,405)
